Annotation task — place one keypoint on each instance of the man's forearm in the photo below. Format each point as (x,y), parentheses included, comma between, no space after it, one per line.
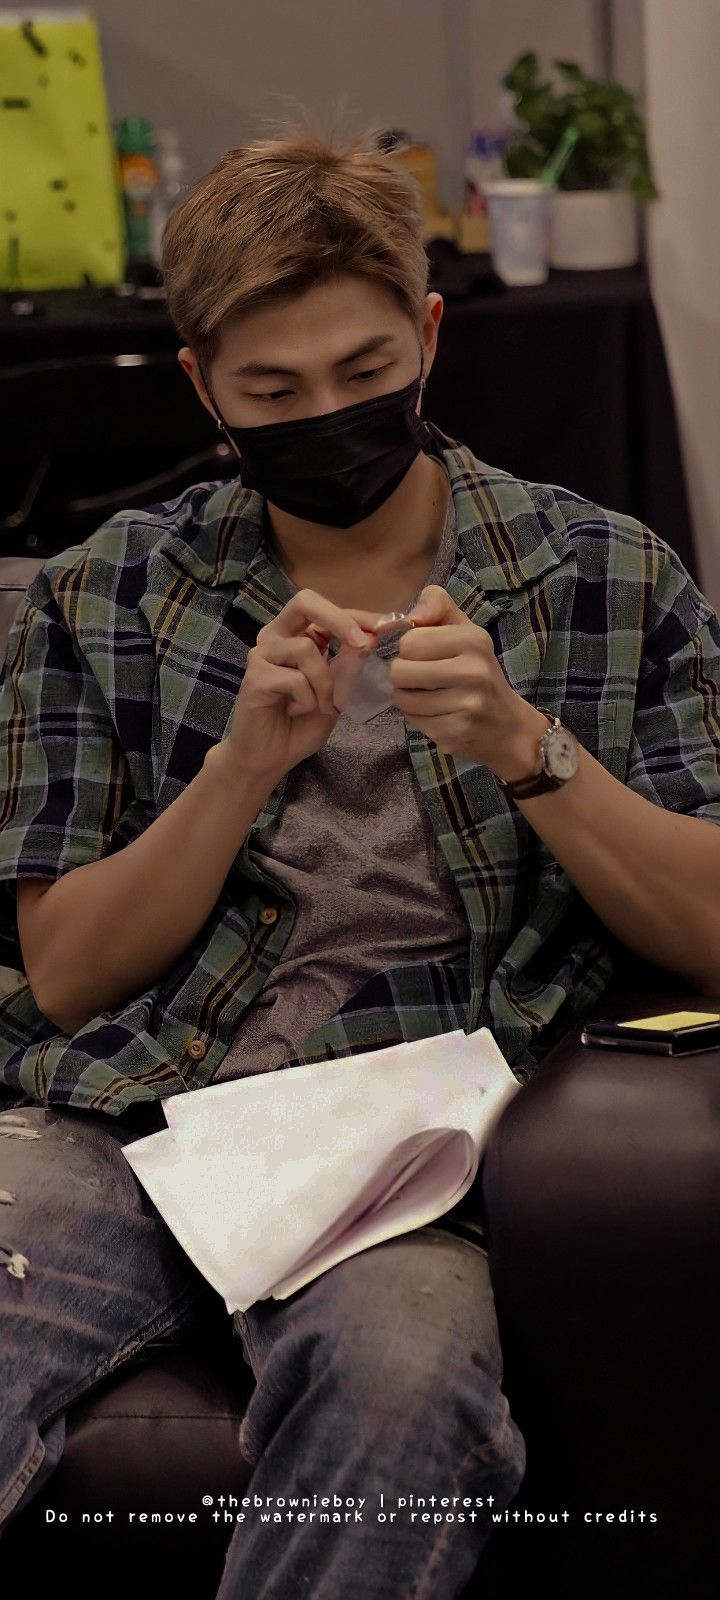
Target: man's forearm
(115,926)
(652,875)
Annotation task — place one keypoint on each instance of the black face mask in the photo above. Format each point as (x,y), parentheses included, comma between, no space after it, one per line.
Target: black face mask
(338,468)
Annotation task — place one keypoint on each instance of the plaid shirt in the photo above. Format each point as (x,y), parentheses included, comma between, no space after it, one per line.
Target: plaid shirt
(123,665)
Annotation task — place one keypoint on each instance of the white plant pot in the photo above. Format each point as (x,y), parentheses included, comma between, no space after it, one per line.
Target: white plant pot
(592,228)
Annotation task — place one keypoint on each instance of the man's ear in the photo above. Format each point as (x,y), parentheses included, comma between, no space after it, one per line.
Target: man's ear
(434,307)
(189,365)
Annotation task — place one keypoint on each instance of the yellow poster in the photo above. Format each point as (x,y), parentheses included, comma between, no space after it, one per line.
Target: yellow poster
(61,218)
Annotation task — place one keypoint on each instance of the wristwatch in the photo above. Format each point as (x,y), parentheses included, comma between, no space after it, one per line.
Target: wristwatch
(558,761)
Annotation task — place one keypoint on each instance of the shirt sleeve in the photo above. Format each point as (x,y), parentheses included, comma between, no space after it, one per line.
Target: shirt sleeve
(674,757)
(64,780)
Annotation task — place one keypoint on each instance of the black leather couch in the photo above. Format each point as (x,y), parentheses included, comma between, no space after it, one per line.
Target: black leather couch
(601,1192)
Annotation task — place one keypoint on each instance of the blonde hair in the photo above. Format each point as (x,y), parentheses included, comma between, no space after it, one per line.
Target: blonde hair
(276,216)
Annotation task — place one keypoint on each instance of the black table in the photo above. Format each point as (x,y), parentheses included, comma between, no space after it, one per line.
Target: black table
(563,383)
(567,383)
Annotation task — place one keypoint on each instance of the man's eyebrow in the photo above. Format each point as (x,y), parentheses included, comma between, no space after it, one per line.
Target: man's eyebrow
(256,369)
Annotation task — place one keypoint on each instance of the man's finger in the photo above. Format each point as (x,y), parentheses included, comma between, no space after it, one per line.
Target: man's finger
(457,672)
(308,608)
(429,643)
(434,604)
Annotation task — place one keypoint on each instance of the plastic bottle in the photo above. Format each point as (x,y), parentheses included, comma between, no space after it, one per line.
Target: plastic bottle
(171,168)
(418,158)
(484,163)
(139,179)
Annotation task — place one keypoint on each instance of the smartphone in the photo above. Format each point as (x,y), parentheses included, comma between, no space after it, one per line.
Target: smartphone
(673,1033)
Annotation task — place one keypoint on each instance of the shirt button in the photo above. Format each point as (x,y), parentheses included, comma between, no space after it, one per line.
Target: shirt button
(197,1048)
(268,914)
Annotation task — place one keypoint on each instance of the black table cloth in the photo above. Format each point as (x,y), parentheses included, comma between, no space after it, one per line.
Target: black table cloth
(567,383)
(563,383)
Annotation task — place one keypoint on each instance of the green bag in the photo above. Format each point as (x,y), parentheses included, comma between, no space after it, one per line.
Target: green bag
(61,218)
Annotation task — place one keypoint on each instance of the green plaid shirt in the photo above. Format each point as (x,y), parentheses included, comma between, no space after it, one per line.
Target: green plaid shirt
(123,665)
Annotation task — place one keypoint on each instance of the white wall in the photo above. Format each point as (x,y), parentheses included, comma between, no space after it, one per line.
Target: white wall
(497,33)
(682,49)
(628,44)
(214,68)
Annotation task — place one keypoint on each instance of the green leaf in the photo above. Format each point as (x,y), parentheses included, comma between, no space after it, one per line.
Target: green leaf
(522,73)
(592,126)
(572,73)
(524,160)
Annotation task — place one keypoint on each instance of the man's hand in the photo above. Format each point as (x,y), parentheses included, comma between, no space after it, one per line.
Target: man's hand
(448,682)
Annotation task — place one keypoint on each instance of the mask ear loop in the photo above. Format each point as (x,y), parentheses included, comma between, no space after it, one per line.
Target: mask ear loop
(222,426)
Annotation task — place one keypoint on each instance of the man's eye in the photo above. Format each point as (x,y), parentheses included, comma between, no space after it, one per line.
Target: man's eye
(279,394)
(373,373)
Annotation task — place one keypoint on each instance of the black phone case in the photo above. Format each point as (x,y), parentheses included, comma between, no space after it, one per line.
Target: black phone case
(674,1042)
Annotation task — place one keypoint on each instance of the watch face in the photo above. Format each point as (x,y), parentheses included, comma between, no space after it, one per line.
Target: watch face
(560,754)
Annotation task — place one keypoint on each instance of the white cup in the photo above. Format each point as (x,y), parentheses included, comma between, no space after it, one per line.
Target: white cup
(519,214)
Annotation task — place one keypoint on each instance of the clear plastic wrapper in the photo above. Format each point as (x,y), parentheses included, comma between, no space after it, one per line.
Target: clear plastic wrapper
(363,686)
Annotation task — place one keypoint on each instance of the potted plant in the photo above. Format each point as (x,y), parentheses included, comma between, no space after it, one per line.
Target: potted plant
(594,221)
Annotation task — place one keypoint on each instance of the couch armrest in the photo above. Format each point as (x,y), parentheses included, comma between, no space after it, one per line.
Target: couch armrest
(590,1117)
(601,1189)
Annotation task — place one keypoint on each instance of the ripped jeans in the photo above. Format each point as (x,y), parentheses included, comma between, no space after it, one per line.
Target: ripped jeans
(382,1376)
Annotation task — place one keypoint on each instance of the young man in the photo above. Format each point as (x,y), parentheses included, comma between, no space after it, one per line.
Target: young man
(221,873)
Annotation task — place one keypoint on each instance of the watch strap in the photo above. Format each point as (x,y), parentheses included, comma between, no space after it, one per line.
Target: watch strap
(524,788)
(535,782)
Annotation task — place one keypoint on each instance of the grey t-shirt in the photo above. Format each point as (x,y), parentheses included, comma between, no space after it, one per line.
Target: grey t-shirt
(355,848)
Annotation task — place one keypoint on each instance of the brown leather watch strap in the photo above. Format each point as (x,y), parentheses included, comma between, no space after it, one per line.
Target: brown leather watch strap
(535,782)
(524,788)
